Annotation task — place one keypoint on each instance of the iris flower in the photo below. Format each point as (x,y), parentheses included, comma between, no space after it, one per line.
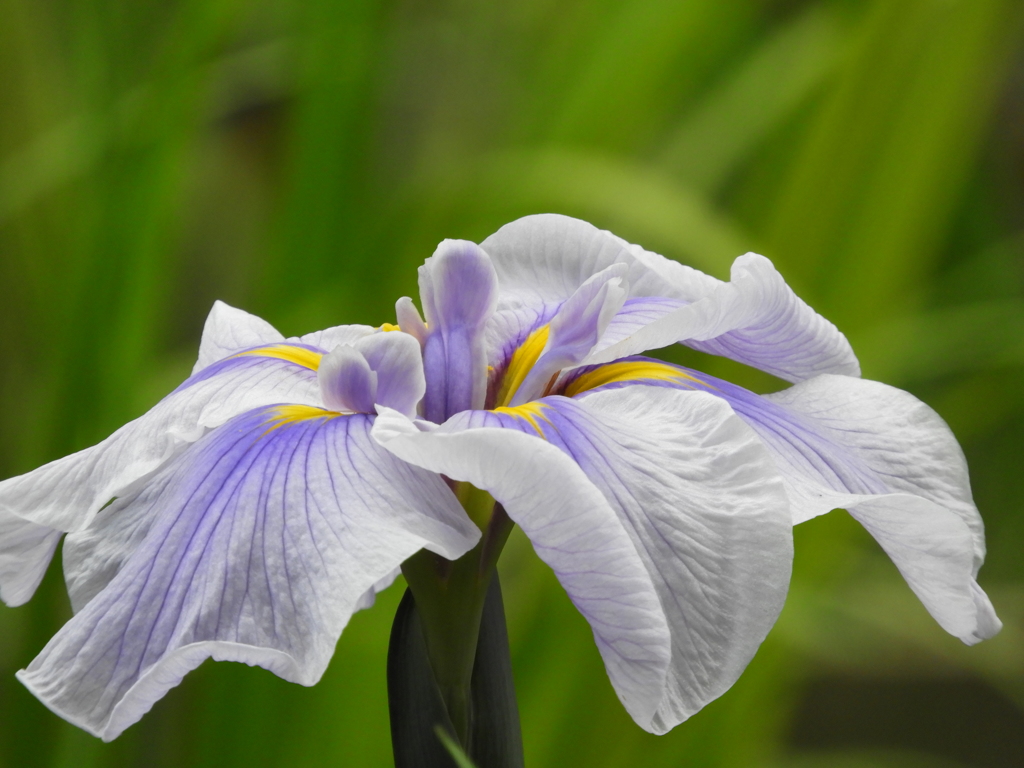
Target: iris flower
(250,513)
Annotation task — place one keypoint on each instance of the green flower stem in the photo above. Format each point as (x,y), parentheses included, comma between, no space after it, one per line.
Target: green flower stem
(450,599)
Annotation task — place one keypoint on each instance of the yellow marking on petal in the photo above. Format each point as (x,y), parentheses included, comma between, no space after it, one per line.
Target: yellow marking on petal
(290,414)
(638,371)
(528,412)
(523,359)
(307,358)
(388,327)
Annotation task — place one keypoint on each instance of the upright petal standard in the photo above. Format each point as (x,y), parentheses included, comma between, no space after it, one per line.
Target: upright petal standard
(248,515)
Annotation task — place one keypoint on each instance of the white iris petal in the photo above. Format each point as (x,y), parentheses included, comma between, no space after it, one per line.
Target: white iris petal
(261,543)
(238,519)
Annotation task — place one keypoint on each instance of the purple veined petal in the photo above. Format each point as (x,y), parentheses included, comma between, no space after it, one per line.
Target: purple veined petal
(25,551)
(228,330)
(396,359)
(67,493)
(876,451)
(785,336)
(347,383)
(264,538)
(705,508)
(755,319)
(927,521)
(573,529)
(708,513)
(511,332)
(458,291)
(575,329)
(541,261)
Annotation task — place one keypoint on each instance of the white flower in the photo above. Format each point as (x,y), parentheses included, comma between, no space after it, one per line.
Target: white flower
(273,493)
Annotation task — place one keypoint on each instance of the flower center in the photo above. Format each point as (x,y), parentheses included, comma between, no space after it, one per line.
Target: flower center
(521,363)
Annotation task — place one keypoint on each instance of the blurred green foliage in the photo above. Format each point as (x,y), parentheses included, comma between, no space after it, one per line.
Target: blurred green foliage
(300,159)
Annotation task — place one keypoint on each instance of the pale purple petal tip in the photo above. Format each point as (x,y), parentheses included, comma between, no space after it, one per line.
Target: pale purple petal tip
(458,288)
(395,358)
(347,383)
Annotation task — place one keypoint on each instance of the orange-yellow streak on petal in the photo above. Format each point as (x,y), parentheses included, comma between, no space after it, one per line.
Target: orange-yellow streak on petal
(290,414)
(528,412)
(522,361)
(638,372)
(390,327)
(307,358)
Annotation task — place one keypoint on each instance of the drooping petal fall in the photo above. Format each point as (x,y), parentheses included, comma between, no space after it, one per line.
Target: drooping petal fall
(689,485)
(708,514)
(66,494)
(924,517)
(256,545)
(572,528)
(876,451)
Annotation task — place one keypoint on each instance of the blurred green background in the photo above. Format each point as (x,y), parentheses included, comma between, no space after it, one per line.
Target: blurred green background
(299,158)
